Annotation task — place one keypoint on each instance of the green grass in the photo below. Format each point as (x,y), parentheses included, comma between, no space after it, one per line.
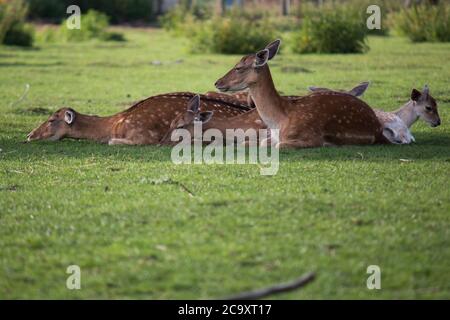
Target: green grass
(329,210)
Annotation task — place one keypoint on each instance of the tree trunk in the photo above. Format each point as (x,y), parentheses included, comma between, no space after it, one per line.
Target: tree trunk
(220,7)
(285,7)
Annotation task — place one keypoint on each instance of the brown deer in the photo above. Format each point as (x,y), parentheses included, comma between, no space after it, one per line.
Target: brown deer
(143,123)
(244,121)
(396,124)
(193,113)
(318,119)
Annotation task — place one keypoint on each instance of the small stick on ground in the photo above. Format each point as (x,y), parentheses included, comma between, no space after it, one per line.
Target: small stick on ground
(184,188)
(22,97)
(279,288)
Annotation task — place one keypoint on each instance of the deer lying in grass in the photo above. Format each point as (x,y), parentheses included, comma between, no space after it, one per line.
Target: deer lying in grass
(193,113)
(318,119)
(144,123)
(245,121)
(394,129)
(396,124)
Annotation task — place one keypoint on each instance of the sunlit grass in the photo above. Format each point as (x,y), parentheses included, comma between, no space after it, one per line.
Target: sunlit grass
(334,211)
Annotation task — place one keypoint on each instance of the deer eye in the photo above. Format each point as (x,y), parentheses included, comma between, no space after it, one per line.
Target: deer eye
(428,108)
(239,69)
(51,120)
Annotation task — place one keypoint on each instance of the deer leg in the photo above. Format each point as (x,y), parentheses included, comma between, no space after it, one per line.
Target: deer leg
(116,141)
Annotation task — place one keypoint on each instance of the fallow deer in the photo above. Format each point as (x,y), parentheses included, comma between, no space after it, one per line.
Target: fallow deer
(194,113)
(244,121)
(394,129)
(143,123)
(318,119)
(396,124)
(421,106)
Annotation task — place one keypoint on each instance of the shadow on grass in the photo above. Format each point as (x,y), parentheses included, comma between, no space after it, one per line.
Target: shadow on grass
(22,64)
(430,146)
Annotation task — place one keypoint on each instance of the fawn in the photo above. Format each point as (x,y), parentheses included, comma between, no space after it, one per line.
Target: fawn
(143,123)
(318,119)
(193,113)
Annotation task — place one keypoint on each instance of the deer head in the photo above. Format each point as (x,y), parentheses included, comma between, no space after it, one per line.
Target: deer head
(425,106)
(57,126)
(398,133)
(187,119)
(246,72)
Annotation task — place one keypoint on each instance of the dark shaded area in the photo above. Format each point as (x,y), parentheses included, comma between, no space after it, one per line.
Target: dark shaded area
(120,11)
(430,146)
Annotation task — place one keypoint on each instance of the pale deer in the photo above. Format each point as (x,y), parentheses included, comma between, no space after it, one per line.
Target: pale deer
(394,129)
(421,106)
(143,123)
(397,123)
(318,119)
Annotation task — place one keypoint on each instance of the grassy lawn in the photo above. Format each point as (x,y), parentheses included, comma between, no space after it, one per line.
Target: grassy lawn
(334,211)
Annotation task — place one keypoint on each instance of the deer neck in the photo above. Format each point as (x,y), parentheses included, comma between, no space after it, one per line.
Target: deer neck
(407,113)
(92,128)
(267,100)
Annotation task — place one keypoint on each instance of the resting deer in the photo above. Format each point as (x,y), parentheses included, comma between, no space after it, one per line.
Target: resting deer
(396,124)
(143,123)
(244,121)
(193,113)
(318,119)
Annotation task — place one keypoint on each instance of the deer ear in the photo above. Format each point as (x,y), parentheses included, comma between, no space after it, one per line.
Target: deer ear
(314,89)
(261,58)
(359,89)
(206,116)
(273,48)
(389,133)
(415,95)
(194,104)
(69,116)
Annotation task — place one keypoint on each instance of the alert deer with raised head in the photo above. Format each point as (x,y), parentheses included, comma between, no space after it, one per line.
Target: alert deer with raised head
(244,121)
(318,119)
(144,123)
